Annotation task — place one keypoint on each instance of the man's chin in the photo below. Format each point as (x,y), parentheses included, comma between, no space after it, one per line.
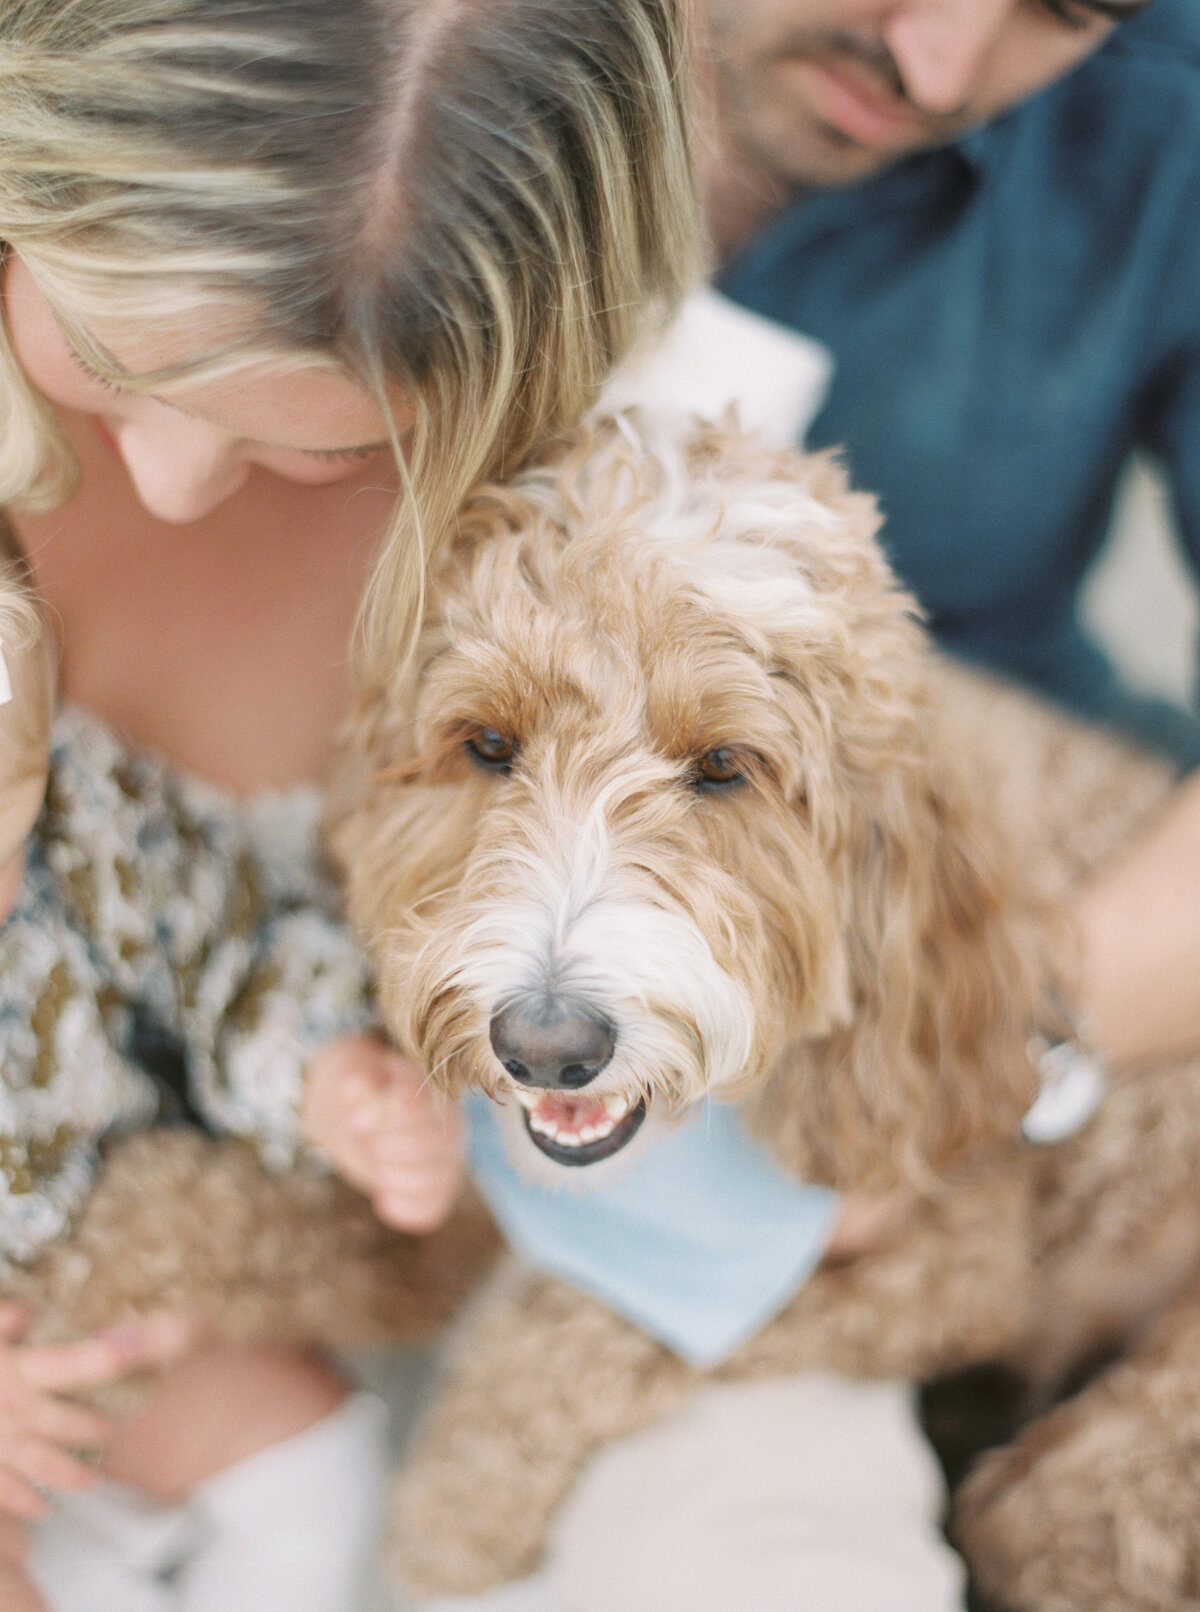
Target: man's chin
(823,157)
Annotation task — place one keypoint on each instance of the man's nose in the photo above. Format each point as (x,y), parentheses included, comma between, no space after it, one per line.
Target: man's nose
(942,46)
(182,468)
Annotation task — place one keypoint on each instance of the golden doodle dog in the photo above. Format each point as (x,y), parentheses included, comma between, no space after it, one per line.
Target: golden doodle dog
(675,800)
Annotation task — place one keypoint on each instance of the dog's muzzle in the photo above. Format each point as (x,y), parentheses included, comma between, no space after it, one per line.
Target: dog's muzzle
(552,1048)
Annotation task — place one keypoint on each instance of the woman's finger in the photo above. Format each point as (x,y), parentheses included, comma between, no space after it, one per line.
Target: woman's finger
(431,1138)
(14,1542)
(14,1319)
(357,1165)
(72,1427)
(420,1161)
(155,1340)
(403,1074)
(160,1338)
(52,1468)
(19,1497)
(417,1099)
(364,1115)
(415,1161)
(417,1213)
(403,1196)
(61,1367)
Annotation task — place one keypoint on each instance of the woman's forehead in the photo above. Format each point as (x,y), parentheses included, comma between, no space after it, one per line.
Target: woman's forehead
(294,401)
(293,407)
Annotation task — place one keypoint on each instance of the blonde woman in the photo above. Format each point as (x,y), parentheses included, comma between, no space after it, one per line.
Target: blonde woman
(281,280)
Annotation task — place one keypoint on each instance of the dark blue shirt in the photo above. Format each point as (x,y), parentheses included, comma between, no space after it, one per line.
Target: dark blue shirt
(1011,316)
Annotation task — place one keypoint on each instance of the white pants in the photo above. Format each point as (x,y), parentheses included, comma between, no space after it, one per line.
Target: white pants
(802,1494)
(293,1528)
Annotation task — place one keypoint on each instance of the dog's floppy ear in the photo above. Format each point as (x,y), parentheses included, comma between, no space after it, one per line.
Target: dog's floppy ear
(935,1060)
(927,1057)
(931,1060)
(368,821)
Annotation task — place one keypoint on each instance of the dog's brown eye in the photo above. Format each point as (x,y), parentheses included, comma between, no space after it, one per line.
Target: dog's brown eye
(719,769)
(492,750)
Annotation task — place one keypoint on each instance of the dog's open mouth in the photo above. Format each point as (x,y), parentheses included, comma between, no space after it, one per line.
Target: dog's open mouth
(579,1128)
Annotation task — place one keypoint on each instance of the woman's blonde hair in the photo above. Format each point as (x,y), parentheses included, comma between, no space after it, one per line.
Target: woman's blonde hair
(477,201)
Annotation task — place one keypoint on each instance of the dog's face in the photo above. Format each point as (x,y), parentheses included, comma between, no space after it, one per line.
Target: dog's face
(610,841)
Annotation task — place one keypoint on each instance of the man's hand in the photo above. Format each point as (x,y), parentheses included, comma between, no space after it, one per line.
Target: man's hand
(374,1115)
(1138,924)
(39,1429)
(866,1224)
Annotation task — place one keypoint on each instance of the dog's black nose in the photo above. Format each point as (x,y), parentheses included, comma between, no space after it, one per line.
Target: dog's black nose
(551,1042)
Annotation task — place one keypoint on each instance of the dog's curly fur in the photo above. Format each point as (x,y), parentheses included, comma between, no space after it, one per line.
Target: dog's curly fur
(850,959)
(180,1221)
(854,957)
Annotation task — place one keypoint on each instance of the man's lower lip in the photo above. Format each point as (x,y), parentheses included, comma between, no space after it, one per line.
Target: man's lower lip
(870,120)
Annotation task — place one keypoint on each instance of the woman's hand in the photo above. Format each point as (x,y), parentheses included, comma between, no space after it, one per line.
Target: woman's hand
(39,1429)
(374,1115)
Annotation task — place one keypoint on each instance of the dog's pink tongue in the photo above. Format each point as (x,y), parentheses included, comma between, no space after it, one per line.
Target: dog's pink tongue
(569,1113)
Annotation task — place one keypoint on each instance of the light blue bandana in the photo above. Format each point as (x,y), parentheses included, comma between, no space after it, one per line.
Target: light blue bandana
(700,1241)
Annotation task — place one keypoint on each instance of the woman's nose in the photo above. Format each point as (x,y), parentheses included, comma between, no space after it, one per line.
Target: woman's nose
(182,468)
(942,46)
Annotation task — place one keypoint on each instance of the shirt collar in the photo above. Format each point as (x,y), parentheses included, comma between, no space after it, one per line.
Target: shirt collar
(939,179)
(975,147)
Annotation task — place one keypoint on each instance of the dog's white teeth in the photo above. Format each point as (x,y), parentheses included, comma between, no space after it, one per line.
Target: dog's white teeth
(560,1119)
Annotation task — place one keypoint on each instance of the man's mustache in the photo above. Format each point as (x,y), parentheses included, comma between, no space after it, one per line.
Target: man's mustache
(871,54)
(874,55)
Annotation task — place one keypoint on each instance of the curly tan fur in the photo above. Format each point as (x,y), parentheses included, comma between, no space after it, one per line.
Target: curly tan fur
(618,614)
(1095,1505)
(180,1221)
(1093,1508)
(541,1376)
(615,615)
